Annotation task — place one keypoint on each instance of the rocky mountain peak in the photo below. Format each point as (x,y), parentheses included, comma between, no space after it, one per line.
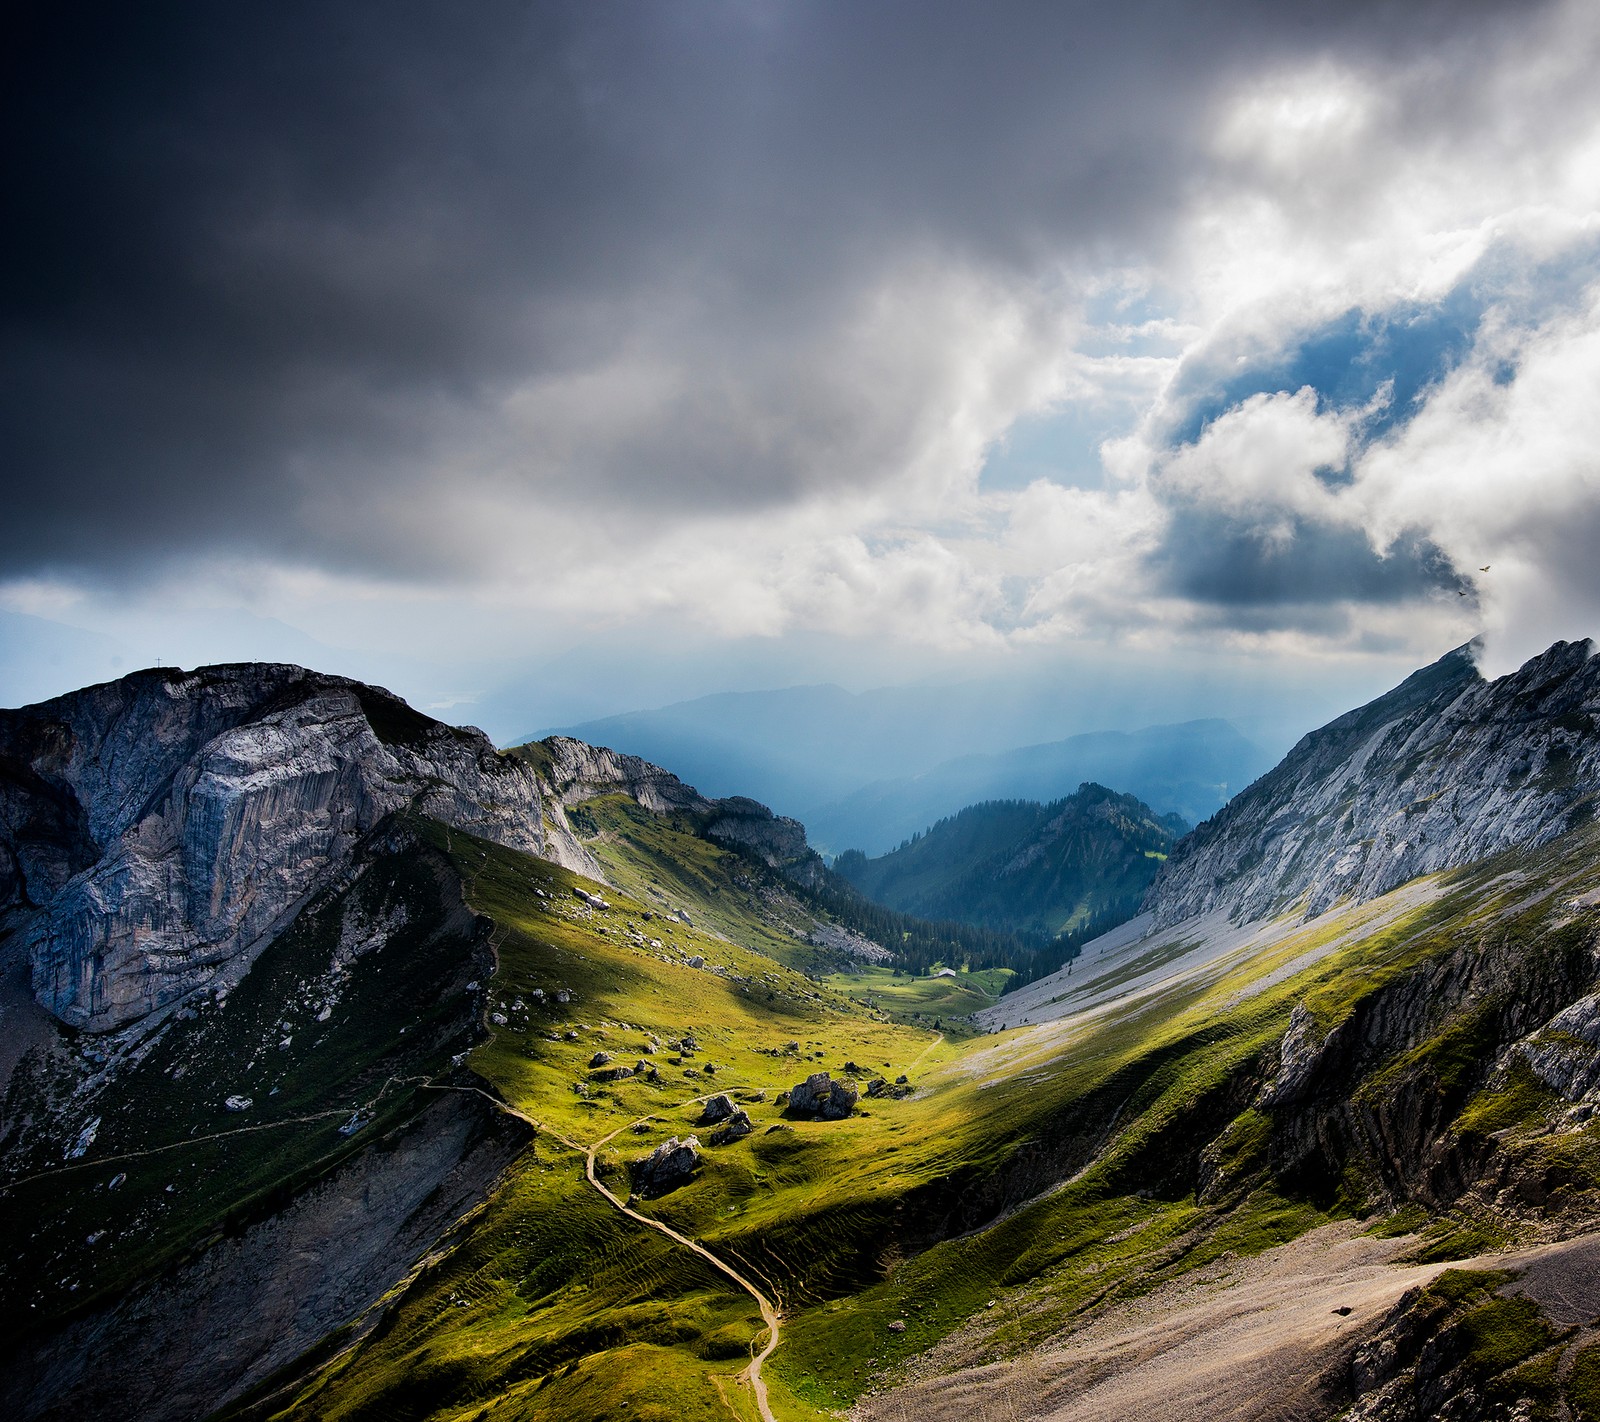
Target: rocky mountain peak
(1446,769)
(157,830)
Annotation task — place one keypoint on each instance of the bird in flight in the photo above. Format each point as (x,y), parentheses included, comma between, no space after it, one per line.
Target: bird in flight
(1484,568)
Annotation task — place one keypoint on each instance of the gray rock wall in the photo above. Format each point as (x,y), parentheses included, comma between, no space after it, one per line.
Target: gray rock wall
(1445,770)
(157,828)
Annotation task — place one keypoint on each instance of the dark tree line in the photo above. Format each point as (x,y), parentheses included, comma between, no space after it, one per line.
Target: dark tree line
(919,945)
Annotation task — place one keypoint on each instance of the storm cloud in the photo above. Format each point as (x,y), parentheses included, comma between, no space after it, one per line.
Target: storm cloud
(537,295)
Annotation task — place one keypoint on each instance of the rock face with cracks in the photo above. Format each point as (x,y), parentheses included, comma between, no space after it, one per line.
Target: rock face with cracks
(1444,770)
(156,832)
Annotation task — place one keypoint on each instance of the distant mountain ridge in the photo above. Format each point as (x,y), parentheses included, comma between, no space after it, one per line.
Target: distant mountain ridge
(1444,770)
(1188,769)
(1018,864)
(866,769)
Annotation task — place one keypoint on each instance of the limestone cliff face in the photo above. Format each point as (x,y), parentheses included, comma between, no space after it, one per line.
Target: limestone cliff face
(158,829)
(1446,769)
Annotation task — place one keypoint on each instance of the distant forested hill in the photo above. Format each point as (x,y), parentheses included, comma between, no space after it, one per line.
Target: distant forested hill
(1190,770)
(1019,865)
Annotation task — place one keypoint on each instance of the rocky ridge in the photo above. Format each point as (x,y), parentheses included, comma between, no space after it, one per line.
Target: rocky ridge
(157,832)
(576,771)
(1445,770)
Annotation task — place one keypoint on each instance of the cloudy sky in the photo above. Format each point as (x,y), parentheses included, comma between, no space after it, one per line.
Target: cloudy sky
(621,352)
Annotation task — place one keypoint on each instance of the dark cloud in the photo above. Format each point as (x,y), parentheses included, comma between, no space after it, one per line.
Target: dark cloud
(270,270)
(1276,569)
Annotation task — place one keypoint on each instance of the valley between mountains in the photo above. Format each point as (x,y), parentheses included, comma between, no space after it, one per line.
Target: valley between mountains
(355,1069)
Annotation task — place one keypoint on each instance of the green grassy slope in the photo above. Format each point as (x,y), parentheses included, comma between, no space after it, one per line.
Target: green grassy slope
(1029,1179)
(927,1210)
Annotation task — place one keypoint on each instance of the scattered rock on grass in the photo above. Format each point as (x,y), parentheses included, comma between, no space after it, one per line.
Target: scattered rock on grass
(739,1126)
(669,1165)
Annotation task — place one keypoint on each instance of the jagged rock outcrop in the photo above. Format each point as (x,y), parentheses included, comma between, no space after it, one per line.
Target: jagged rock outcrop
(576,772)
(159,829)
(1565,1053)
(1445,770)
(778,841)
(718,1108)
(1375,1096)
(1300,1054)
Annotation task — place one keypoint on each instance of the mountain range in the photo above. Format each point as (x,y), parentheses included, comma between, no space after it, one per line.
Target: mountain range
(866,771)
(353,1068)
(1188,770)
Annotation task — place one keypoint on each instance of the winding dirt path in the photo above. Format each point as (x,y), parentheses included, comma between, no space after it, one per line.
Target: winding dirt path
(769,1314)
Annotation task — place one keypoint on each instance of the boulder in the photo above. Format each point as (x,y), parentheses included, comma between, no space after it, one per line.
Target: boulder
(599,1059)
(669,1165)
(739,1125)
(819,1095)
(718,1108)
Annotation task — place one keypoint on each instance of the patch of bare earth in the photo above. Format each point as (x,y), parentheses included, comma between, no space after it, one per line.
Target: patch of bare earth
(1246,1340)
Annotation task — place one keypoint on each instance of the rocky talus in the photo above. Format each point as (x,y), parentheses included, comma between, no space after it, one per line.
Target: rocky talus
(1445,770)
